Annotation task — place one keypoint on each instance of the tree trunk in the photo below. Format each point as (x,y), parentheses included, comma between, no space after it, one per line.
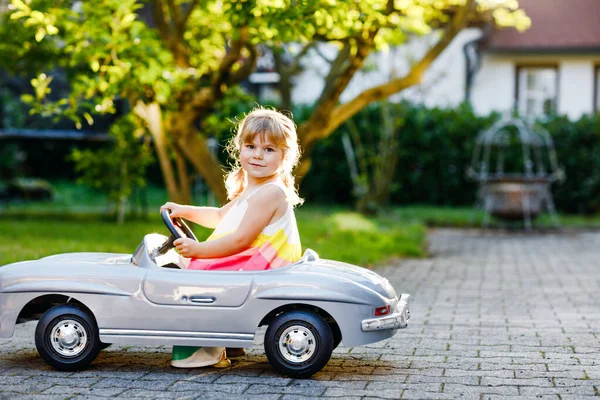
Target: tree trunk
(385,163)
(196,150)
(284,84)
(185,187)
(194,146)
(122,201)
(152,115)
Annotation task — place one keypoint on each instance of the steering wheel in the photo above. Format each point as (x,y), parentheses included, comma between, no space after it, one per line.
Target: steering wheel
(177,228)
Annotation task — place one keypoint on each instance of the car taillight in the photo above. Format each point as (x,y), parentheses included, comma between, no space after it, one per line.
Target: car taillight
(382,311)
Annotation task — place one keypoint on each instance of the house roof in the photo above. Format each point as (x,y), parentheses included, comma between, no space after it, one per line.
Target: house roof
(556,26)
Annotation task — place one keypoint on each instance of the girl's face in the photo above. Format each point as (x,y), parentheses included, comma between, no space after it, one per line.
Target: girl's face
(261,159)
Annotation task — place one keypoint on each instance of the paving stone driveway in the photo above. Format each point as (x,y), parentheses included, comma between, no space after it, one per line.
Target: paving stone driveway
(494,315)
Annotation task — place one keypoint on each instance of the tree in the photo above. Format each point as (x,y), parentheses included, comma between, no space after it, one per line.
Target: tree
(174,61)
(118,169)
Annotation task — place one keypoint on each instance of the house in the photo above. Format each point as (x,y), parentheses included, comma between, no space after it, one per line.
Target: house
(553,66)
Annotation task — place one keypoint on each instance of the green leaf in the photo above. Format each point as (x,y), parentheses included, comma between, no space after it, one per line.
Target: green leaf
(37,15)
(27,98)
(40,34)
(51,29)
(20,5)
(128,20)
(88,118)
(18,14)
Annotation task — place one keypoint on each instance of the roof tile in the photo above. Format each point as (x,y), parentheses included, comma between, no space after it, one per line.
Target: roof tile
(555,25)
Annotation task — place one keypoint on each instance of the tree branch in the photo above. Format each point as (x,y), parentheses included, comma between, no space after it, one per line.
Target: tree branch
(202,100)
(174,12)
(246,69)
(173,39)
(295,65)
(320,54)
(414,77)
(336,70)
(159,19)
(232,56)
(389,7)
(189,11)
(284,84)
(184,178)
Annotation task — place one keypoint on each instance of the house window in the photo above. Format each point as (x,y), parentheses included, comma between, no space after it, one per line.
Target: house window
(537,90)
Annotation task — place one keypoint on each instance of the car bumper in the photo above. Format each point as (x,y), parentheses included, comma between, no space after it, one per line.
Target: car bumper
(397,320)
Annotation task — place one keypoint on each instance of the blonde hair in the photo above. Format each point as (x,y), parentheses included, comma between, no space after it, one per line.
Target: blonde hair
(274,127)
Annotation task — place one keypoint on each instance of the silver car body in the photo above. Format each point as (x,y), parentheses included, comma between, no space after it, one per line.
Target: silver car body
(136,301)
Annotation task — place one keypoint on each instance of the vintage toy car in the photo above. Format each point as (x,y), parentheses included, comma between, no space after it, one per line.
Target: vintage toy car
(85,301)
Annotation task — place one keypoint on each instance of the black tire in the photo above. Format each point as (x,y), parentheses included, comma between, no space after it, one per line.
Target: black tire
(81,343)
(314,343)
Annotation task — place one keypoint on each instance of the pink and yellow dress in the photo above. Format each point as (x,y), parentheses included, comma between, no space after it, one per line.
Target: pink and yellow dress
(276,246)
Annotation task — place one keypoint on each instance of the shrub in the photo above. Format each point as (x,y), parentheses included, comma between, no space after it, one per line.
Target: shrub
(577,146)
(435,148)
(28,189)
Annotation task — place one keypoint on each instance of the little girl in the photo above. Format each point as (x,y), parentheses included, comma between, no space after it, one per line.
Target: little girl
(257,229)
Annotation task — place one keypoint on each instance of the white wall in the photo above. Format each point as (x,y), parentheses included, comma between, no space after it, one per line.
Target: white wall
(576,86)
(494,86)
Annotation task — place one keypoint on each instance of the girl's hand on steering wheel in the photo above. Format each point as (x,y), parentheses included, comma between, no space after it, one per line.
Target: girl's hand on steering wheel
(176,209)
(186,247)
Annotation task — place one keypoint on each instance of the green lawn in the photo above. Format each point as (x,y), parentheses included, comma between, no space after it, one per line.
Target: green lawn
(465,217)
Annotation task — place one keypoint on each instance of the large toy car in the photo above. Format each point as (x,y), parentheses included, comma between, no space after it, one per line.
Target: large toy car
(85,301)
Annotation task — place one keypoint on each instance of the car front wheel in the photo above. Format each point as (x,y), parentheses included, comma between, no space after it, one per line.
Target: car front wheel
(298,343)
(66,337)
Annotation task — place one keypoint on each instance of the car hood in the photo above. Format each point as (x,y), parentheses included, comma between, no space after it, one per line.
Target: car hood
(348,272)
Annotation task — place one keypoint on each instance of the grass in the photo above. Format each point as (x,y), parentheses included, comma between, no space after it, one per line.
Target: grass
(467,217)
(71,198)
(79,220)
(31,237)
(351,237)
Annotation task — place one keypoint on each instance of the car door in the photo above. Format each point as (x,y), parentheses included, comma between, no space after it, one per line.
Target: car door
(198,301)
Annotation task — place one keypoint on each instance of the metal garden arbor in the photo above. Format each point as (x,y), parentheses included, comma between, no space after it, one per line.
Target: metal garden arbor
(524,190)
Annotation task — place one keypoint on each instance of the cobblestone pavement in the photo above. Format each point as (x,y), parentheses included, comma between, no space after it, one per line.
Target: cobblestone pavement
(494,315)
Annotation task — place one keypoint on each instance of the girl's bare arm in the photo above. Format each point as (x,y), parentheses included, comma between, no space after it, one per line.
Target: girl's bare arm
(261,208)
(209,217)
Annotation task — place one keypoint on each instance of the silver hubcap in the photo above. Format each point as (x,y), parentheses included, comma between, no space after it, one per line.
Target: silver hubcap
(297,344)
(68,338)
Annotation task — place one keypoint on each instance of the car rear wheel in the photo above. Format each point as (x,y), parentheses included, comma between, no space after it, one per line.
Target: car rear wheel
(298,343)
(66,337)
